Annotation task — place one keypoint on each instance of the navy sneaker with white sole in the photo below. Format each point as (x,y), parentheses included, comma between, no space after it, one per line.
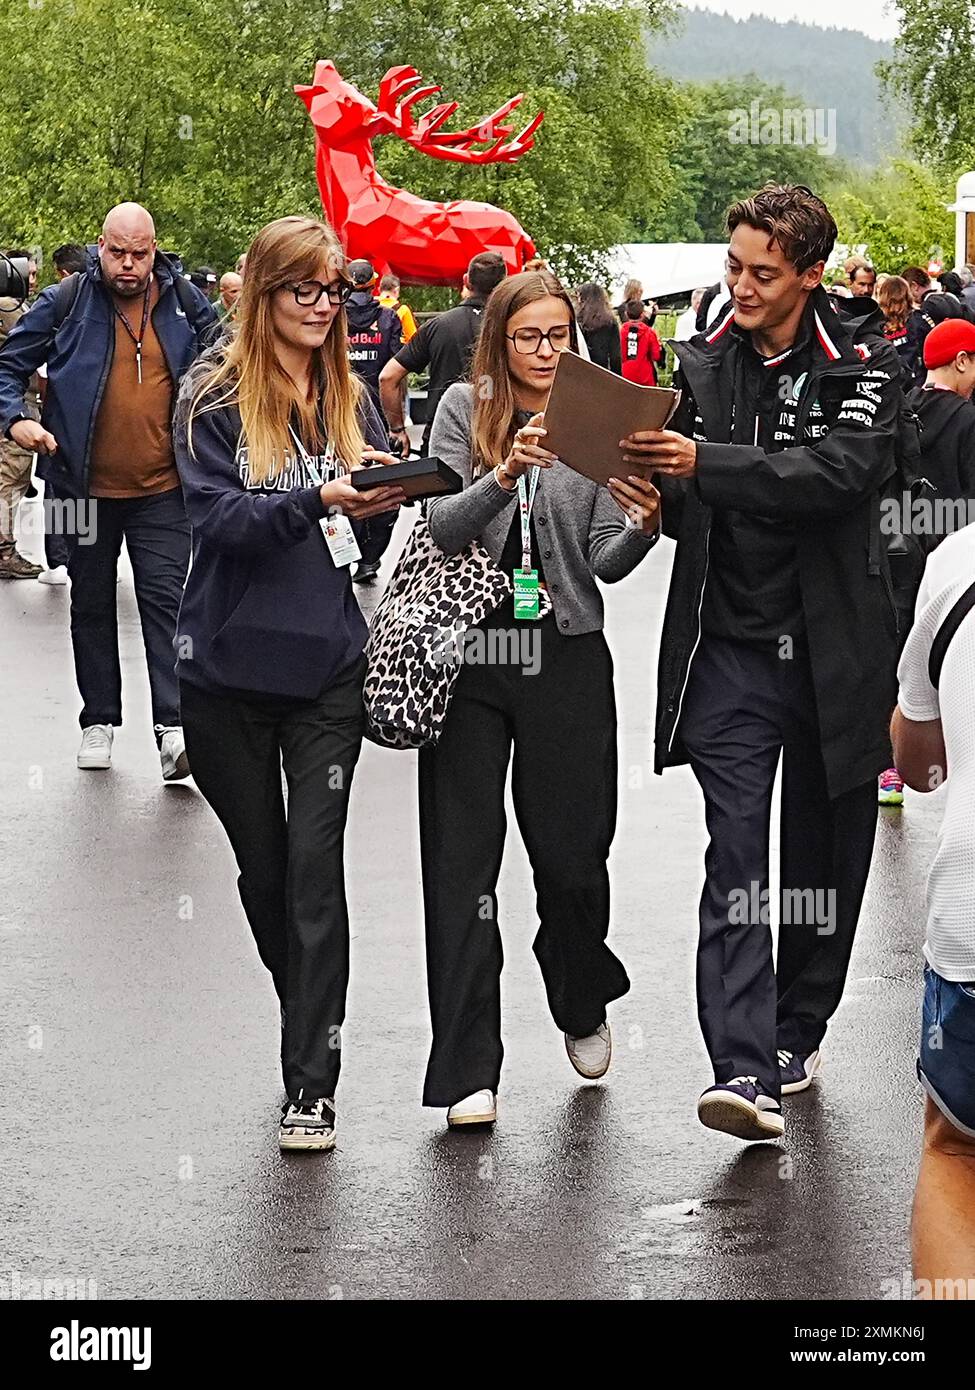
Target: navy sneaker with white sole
(740,1107)
(797,1069)
(310,1125)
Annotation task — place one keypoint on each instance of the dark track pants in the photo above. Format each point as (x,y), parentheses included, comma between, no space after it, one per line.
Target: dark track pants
(742,707)
(562,723)
(157,537)
(292,873)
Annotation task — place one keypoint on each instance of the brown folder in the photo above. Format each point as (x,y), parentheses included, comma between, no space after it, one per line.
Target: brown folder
(591,409)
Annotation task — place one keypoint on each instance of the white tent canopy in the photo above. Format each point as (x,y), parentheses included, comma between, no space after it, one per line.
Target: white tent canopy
(666,267)
(677,267)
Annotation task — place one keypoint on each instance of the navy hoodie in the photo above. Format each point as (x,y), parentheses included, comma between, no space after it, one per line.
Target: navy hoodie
(264,610)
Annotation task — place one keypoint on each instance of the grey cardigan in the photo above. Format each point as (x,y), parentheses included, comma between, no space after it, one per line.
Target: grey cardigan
(582,532)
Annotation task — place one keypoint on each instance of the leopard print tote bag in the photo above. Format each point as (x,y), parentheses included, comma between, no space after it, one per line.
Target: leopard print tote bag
(416,637)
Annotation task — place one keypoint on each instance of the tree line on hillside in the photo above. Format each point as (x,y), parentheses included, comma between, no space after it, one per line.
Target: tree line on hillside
(188,106)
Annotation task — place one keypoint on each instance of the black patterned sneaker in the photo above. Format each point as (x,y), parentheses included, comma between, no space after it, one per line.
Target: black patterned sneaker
(740,1107)
(309,1126)
(797,1069)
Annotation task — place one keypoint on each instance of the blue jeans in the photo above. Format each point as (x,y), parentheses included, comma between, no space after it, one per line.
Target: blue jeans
(157,536)
(946,1066)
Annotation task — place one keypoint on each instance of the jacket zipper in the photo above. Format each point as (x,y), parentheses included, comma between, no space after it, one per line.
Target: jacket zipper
(697,642)
(95,408)
(800,423)
(162,345)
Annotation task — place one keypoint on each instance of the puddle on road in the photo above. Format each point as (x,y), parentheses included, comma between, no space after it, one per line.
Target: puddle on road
(679,1212)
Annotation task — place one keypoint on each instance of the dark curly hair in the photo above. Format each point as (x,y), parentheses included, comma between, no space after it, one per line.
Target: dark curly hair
(799,222)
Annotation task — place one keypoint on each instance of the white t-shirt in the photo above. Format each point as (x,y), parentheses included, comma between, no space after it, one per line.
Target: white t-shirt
(686,325)
(950,945)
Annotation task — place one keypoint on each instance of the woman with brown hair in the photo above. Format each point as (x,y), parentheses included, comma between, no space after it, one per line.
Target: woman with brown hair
(548,695)
(896,305)
(270,638)
(634,290)
(599,327)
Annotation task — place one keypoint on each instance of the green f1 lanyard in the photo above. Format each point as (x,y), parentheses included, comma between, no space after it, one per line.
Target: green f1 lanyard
(526,579)
(526,500)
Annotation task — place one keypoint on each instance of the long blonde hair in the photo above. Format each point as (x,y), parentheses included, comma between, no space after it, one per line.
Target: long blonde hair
(493,421)
(246,371)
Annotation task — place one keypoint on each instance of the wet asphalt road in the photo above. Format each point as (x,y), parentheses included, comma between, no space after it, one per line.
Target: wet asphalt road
(139,1034)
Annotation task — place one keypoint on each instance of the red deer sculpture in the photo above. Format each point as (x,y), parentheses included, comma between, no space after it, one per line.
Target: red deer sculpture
(422,242)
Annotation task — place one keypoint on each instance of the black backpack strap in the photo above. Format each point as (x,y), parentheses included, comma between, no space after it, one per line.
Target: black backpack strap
(64,301)
(955,617)
(188,301)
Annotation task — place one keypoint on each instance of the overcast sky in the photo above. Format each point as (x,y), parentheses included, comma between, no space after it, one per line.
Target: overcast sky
(873,17)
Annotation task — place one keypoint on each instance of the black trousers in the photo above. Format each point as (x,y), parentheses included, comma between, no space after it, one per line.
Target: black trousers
(561,722)
(742,707)
(157,537)
(292,872)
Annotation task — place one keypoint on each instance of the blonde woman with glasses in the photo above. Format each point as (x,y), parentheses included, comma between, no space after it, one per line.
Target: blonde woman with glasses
(270,637)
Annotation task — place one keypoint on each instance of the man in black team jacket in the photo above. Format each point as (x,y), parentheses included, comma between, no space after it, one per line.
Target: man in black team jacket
(779,636)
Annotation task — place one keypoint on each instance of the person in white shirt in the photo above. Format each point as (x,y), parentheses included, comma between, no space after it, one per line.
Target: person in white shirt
(686,325)
(933,734)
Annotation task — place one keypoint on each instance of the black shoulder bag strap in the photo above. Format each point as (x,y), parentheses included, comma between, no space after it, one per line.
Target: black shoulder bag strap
(955,617)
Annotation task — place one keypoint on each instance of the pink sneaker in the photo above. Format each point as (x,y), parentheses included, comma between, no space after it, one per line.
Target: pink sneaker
(890,792)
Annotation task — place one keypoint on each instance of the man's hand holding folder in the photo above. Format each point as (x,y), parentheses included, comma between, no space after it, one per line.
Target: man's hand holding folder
(667,451)
(599,424)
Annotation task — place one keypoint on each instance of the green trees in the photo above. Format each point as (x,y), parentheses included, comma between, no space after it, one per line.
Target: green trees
(934,70)
(734,136)
(899,214)
(187,106)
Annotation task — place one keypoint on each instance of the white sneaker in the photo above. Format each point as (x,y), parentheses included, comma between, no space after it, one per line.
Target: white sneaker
(592,1055)
(172,754)
(479,1109)
(96,747)
(58,575)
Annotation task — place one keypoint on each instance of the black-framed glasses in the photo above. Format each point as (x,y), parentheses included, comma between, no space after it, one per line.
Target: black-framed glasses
(529,340)
(309,292)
